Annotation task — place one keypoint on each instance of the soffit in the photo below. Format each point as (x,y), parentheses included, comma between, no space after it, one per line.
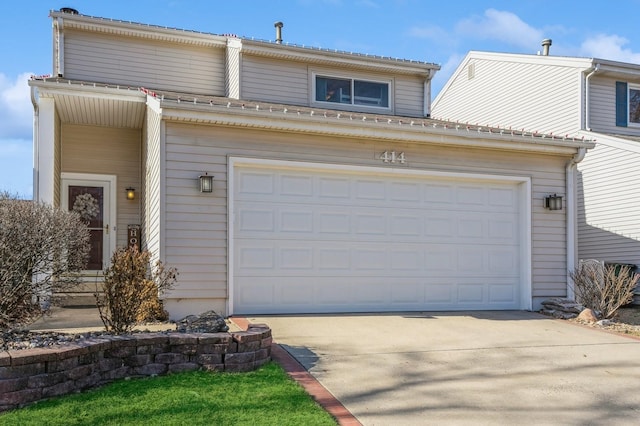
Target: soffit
(82,105)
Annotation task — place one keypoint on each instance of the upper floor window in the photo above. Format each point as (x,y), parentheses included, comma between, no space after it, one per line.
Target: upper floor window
(352,91)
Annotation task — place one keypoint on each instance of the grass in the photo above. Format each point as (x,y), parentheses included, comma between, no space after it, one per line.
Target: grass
(263,397)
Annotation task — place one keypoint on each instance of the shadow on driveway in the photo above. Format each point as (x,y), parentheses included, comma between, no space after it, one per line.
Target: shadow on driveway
(467,367)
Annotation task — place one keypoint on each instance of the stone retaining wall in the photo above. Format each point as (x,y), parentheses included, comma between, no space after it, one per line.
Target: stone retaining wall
(30,375)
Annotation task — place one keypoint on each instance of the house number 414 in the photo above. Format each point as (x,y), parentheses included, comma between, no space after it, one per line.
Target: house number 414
(392,157)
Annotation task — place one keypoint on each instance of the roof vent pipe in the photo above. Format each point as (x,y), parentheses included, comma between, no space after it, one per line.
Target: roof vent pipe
(546,44)
(278,26)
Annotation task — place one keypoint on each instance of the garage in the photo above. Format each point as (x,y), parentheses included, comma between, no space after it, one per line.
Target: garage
(315,238)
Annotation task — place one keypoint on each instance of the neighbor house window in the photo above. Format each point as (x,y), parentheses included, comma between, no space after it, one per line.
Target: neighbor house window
(627,104)
(352,92)
(634,105)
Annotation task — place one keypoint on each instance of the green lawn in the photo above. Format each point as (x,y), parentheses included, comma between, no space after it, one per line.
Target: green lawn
(263,397)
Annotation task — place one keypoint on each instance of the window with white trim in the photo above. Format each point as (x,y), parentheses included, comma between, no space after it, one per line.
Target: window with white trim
(352,91)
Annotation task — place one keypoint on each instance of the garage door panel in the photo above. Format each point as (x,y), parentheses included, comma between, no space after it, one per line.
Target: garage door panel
(329,222)
(329,241)
(325,258)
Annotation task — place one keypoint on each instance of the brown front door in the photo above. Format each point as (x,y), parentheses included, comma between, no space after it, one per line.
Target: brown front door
(91,200)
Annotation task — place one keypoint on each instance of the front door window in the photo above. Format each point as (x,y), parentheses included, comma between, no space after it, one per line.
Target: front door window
(88,202)
(91,196)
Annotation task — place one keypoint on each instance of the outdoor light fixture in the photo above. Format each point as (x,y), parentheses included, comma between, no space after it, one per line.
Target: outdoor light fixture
(206,183)
(131,193)
(553,202)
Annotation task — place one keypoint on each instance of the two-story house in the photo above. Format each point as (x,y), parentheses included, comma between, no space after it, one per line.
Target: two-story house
(288,179)
(580,97)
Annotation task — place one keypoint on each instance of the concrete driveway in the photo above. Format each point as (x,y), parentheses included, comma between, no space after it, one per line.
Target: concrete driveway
(480,368)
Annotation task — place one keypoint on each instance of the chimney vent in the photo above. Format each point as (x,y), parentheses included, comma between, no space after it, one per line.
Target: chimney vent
(546,44)
(278,26)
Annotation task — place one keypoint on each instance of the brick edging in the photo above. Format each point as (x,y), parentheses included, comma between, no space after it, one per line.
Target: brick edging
(311,385)
(30,375)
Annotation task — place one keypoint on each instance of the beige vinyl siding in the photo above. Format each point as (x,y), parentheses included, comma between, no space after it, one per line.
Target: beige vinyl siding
(146,63)
(152,184)
(409,96)
(610,229)
(196,224)
(110,151)
(521,95)
(272,80)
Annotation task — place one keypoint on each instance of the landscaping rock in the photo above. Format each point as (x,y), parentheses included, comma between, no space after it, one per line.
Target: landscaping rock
(558,307)
(208,322)
(587,315)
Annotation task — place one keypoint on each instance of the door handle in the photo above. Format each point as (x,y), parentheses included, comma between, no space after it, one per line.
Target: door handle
(106,227)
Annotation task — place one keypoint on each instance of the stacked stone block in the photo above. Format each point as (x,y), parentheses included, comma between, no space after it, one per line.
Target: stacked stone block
(31,375)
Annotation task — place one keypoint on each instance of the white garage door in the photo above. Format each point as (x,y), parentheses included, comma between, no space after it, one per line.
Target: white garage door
(311,240)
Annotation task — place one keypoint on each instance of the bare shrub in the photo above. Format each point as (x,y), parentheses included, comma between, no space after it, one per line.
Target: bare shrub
(604,288)
(130,287)
(42,252)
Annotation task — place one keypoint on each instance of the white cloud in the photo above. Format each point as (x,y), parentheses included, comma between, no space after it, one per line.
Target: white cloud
(16,167)
(502,26)
(16,111)
(610,47)
(433,33)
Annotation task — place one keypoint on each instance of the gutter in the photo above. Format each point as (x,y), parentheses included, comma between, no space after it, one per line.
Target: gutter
(587,120)
(572,217)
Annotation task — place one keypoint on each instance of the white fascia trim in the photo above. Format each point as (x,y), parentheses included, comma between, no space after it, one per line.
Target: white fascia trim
(116,93)
(356,129)
(308,54)
(551,60)
(524,182)
(132,29)
(618,142)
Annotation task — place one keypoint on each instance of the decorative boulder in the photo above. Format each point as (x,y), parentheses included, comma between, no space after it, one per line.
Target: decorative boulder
(208,322)
(587,315)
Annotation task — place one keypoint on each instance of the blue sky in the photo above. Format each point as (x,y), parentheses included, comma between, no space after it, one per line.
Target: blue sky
(441,32)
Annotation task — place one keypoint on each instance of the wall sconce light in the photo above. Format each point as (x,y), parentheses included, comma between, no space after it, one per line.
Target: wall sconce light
(131,193)
(206,183)
(553,202)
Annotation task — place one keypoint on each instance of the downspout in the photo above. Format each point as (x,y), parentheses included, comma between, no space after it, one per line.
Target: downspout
(36,145)
(426,105)
(572,216)
(587,120)
(572,196)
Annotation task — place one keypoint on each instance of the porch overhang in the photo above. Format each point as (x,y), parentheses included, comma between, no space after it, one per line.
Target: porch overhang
(92,104)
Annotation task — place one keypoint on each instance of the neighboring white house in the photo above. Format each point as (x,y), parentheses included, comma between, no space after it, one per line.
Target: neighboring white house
(332,190)
(566,96)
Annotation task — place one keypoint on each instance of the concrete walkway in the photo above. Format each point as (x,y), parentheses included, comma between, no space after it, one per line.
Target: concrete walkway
(480,368)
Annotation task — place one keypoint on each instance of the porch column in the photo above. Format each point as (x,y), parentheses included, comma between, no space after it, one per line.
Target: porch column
(44,152)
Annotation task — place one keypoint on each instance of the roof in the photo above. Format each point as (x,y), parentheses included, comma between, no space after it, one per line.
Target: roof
(112,105)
